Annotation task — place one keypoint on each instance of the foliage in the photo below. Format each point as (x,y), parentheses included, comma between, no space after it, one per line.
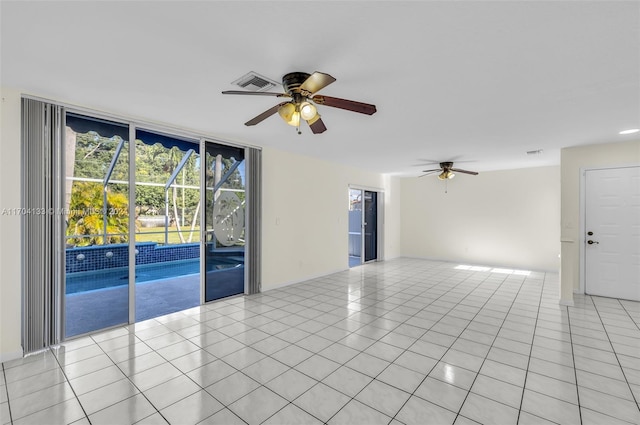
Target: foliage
(154,166)
(87,213)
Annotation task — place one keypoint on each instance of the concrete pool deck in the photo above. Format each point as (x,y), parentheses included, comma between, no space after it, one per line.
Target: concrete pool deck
(93,310)
(98,309)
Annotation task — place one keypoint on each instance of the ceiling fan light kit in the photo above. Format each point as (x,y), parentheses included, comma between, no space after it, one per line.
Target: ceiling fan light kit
(308,111)
(288,112)
(301,87)
(446,171)
(446,175)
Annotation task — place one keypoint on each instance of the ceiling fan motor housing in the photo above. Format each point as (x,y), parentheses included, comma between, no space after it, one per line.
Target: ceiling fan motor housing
(293,80)
(446,165)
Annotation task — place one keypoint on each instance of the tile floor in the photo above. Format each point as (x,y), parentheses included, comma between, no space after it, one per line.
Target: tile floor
(399,342)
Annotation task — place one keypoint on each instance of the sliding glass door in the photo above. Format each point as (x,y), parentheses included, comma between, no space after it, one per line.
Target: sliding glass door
(149,208)
(355,227)
(363,226)
(167,232)
(97,225)
(224,220)
(370,225)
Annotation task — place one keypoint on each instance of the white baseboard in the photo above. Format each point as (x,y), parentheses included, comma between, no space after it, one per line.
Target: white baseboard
(481,264)
(5,357)
(565,302)
(319,275)
(391,258)
(304,279)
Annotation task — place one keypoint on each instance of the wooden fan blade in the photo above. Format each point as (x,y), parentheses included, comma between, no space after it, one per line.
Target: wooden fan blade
(426,162)
(429,172)
(457,170)
(263,116)
(256,93)
(318,126)
(316,82)
(349,105)
(433,161)
(432,171)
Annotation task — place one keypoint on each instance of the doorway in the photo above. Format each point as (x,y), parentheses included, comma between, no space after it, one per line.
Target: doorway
(167,225)
(135,248)
(363,226)
(96,202)
(105,190)
(612,232)
(224,218)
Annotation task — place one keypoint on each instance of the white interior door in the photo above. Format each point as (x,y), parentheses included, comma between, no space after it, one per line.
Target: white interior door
(612,233)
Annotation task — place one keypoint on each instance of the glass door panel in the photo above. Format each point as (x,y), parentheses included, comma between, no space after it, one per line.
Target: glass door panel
(370,225)
(224,212)
(97,224)
(167,182)
(355,227)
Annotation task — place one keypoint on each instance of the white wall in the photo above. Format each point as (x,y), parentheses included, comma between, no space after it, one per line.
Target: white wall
(305,216)
(392,217)
(573,160)
(508,218)
(10,244)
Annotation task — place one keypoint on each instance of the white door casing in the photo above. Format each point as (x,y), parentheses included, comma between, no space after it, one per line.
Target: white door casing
(612,216)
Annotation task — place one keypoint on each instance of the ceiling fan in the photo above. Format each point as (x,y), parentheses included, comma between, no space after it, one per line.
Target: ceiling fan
(301,87)
(447,171)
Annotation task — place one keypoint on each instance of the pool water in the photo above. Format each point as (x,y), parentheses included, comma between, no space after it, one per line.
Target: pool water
(119,276)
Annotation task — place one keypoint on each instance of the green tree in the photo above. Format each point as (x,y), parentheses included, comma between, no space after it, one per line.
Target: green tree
(154,166)
(86,216)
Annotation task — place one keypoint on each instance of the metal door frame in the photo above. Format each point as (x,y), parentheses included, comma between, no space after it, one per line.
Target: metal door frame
(364,228)
(203,229)
(379,224)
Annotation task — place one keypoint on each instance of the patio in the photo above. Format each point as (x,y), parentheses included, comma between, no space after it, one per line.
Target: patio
(89,311)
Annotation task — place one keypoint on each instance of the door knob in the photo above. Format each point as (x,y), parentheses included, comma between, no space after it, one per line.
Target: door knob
(590,242)
(590,233)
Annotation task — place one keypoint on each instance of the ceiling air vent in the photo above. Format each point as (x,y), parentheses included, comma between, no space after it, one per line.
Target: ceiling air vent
(254,82)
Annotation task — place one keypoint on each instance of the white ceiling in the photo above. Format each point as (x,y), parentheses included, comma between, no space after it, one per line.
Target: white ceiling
(475,81)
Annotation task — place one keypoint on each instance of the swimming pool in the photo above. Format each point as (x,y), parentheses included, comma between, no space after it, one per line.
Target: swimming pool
(119,276)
